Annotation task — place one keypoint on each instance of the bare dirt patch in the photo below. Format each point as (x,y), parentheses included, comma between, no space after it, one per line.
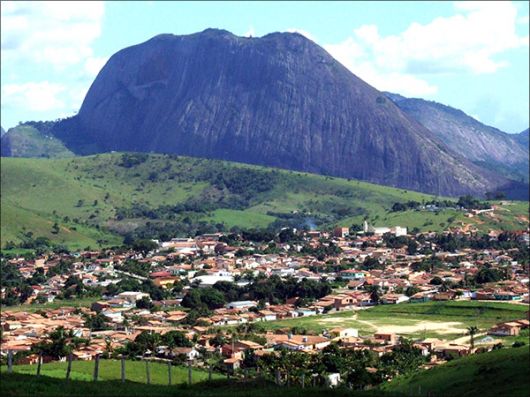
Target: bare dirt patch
(448,327)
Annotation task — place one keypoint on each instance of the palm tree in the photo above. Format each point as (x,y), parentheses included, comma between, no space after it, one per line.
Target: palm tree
(472,331)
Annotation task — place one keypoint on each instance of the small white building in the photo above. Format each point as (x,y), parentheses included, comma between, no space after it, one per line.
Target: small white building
(240,304)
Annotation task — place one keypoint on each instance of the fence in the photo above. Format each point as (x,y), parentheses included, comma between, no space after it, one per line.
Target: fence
(281,379)
(95,369)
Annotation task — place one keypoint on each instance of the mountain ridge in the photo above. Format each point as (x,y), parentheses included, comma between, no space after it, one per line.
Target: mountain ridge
(482,144)
(279,100)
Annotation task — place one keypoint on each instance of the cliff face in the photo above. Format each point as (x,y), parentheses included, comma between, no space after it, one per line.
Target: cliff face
(468,137)
(279,100)
(522,139)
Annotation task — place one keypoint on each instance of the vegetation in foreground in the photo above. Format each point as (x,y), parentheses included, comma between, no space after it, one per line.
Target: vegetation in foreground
(110,370)
(20,385)
(98,200)
(497,373)
(501,372)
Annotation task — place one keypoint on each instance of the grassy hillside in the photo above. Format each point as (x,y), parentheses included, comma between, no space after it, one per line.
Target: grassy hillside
(498,373)
(27,141)
(444,320)
(96,200)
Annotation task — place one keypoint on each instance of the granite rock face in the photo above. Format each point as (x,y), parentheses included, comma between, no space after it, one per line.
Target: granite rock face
(469,138)
(523,139)
(279,100)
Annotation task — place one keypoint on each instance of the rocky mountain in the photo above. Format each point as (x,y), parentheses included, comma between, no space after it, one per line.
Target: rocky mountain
(2,131)
(523,139)
(279,100)
(483,145)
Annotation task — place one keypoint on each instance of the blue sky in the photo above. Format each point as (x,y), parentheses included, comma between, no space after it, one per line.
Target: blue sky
(470,55)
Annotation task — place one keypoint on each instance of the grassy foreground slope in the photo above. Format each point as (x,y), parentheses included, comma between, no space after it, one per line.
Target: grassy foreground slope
(95,200)
(111,370)
(499,373)
(19,385)
(502,372)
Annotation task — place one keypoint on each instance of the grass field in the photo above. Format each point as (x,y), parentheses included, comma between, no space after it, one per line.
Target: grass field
(82,194)
(111,370)
(498,373)
(445,320)
(33,307)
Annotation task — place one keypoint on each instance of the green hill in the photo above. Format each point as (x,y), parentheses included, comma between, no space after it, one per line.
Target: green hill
(498,373)
(96,200)
(28,141)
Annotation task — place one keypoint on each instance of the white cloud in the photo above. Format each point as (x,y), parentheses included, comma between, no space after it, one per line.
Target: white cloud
(304,33)
(44,43)
(469,41)
(33,96)
(54,32)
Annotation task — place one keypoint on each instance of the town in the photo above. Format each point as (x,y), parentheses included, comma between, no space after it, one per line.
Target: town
(241,301)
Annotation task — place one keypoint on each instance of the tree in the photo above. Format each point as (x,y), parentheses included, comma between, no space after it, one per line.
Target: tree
(412,247)
(436,281)
(57,346)
(472,331)
(97,322)
(144,246)
(250,359)
(144,303)
(375,293)
(55,228)
(403,359)
(371,264)
(176,339)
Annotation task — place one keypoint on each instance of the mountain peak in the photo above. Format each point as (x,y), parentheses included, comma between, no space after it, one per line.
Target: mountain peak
(278,100)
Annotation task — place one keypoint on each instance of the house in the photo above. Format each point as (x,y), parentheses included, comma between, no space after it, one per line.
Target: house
(267,315)
(351,274)
(165,282)
(444,296)
(232,364)
(505,329)
(133,296)
(240,304)
(190,353)
(114,316)
(341,232)
(420,297)
(506,296)
(451,350)
(301,342)
(388,338)
(237,349)
(393,299)
(99,306)
(344,302)
(209,280)
(355,285)
(344,332)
